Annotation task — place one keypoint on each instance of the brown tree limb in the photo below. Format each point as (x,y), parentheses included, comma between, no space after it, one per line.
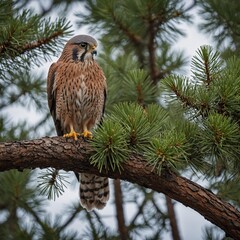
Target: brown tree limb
(74,156)
(152,51)
(172,218)
(123,231)
(134,38)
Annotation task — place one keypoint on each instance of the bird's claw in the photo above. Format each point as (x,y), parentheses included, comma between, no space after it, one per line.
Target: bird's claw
(72,134)
(87,134)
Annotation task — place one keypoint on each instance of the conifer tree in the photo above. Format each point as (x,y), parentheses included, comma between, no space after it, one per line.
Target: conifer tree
(175,125)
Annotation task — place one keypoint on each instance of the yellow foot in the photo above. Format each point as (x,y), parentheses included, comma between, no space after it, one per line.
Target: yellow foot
(72,134)
(87,134)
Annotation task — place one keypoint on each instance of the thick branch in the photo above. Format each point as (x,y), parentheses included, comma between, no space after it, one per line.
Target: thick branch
(70,156)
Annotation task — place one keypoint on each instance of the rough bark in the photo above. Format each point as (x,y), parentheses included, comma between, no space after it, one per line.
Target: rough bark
(74,156)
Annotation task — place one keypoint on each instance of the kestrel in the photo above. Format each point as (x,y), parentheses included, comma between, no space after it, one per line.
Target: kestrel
(76,90)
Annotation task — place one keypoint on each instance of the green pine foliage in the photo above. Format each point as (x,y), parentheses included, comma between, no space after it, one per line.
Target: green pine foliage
(206,65)
(204,97)
(167,150)
(129,128)
(134,120)
(220,139)
(28,39)
(110,145)
(228,87)
(221,19)
(18,199)
(137,87)
(52,183)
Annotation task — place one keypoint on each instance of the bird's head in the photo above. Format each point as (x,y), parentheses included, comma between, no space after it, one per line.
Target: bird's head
(81,48)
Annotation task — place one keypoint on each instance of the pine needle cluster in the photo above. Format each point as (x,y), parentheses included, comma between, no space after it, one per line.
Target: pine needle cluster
(27,39)
(211,101)
(222,21)
(206,132)
(134,126)
(52,183)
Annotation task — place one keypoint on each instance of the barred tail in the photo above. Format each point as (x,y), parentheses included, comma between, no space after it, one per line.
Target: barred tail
(94,191)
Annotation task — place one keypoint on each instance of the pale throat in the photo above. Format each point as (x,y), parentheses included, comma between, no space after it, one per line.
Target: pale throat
(87,56)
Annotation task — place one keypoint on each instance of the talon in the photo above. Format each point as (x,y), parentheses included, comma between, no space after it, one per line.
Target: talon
(87,134)
(72,134)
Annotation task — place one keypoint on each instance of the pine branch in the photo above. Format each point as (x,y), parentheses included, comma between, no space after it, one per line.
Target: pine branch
(27,39)
(40,42)
(74,156)
(70,218)
(190,7)
(140,208)
(36,217)
(182,90)
(152,50)
(135,39)
(18,50)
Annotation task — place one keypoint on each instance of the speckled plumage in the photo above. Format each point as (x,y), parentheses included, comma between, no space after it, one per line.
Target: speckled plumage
(76,97)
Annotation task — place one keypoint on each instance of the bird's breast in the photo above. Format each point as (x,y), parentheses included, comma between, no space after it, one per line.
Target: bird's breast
(81,92)
(83,85)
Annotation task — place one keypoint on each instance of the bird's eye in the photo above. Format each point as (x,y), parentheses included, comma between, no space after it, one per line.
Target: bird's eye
(83,45)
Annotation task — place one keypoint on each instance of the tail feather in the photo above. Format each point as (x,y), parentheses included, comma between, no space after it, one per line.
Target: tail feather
(94,191)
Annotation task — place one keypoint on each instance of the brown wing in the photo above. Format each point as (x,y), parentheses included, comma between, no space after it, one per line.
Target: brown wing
(52,97)
(104,104)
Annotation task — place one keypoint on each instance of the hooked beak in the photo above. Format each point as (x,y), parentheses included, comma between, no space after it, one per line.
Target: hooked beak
(94,52)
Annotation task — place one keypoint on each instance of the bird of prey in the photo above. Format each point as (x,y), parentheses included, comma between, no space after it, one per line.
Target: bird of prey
(76,88)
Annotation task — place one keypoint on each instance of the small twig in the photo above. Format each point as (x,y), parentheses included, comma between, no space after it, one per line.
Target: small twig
(172,218)
(140,210)
(191,6)
(119,210)
(71,218)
